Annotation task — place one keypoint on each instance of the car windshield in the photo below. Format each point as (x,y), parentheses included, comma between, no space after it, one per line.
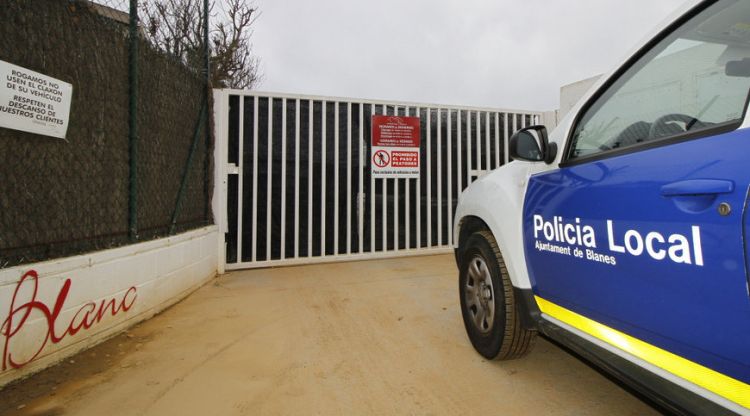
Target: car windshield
(696,78)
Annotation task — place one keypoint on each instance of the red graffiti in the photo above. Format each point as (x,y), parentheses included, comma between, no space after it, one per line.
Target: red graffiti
(87,316)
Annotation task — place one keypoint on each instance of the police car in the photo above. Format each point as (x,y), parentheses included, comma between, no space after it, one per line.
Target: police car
(623,234)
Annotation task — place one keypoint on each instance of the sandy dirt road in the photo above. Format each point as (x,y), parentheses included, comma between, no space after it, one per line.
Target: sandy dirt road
(364,338)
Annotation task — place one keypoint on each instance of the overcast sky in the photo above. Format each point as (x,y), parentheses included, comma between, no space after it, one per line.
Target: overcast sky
(491,53)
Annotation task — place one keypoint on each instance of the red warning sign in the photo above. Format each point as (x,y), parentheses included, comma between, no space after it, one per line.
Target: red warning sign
(395,146)
(393,131)
(405,159)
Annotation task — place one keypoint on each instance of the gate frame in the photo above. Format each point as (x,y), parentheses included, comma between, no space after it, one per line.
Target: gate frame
(222,170)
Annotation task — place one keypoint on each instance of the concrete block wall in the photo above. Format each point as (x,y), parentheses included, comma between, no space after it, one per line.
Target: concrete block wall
(54,309)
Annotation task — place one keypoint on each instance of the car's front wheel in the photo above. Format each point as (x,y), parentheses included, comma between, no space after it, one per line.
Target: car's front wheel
(488,304)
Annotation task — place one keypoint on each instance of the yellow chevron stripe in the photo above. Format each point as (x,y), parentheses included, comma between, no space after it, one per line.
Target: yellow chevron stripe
(713,381)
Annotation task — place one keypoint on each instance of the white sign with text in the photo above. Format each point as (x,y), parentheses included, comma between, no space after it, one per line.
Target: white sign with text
(33,102)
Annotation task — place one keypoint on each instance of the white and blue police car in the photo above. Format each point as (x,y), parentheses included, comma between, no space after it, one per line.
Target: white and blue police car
(623,235)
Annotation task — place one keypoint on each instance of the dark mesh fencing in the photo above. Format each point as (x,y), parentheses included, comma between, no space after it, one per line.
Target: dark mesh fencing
(65,197)
(169,103)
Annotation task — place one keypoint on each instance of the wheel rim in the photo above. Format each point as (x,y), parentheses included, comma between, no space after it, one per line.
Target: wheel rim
(480,295)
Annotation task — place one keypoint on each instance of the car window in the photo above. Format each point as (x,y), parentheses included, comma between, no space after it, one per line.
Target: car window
(695,79)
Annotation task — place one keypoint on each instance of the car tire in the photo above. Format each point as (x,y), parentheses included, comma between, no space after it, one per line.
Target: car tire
(488,304)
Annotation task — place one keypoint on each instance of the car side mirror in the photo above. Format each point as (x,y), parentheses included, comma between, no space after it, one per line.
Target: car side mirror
(531,144)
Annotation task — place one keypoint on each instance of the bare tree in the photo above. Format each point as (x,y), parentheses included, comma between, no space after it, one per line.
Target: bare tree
(175,27)
(232,48)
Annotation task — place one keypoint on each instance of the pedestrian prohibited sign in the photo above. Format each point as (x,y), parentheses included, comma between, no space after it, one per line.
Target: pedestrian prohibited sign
(395,147)
(381,159)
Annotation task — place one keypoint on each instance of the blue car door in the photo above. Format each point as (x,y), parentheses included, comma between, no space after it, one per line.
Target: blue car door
(637,238)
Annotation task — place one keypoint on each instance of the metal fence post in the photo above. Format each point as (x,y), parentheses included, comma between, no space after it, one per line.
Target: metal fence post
(133,123)
(207,146)
(206,48)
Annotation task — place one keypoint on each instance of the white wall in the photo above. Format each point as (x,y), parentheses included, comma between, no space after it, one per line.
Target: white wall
(550,119)
(571,93)
(142,279)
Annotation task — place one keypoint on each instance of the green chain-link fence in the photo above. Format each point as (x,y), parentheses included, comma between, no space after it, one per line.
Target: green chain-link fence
(136,160)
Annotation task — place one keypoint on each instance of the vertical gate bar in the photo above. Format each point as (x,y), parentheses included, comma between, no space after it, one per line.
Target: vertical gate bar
(372,188)
(384,200)
(487,140)
(336,179)
(439,178)
(459,155)
(523,120)
(396,182)
(310,174)
(479,142)
(282,251)
(407,211)
(515,122)
(384,219)
(323,163)
(255,179)
(497,140)
(240,175)
(450,179)
(360,194)
(348,178)
(296,177)
(419,187)
(429,177)
(505,137)
(269,171)
(468,148)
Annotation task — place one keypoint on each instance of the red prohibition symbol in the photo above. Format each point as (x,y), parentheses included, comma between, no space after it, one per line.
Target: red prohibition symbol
(381,158)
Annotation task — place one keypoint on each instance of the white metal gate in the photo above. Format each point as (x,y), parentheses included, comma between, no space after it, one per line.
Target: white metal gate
(294,184)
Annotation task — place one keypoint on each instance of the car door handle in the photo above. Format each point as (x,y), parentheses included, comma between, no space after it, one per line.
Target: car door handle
(698,187)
